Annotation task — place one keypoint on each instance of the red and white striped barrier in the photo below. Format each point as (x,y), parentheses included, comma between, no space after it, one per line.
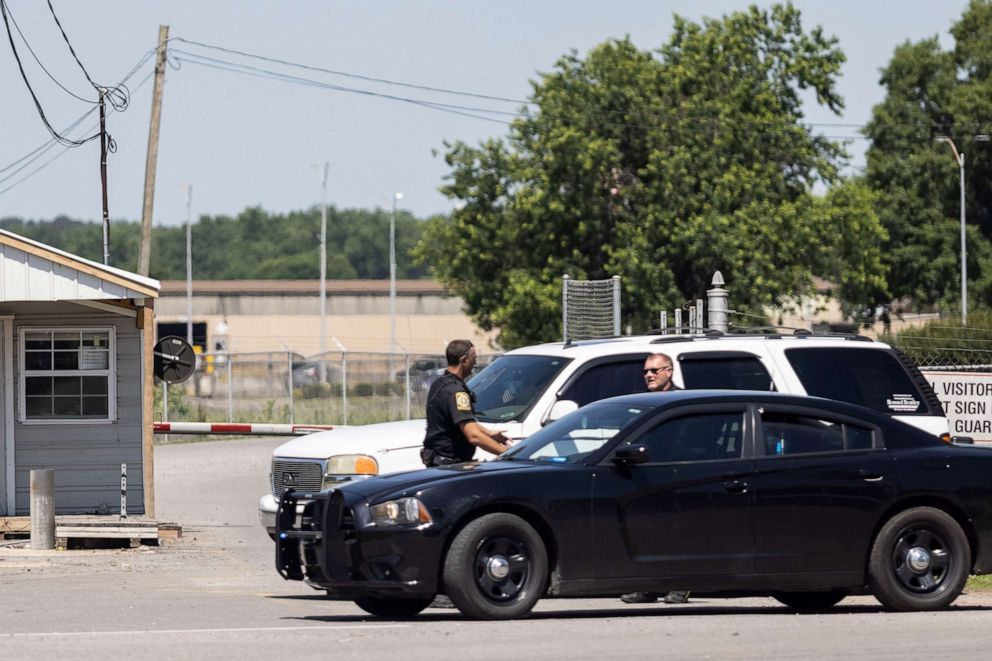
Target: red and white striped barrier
(264,428)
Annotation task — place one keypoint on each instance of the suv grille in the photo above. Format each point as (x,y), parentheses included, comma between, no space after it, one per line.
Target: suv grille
(299,475)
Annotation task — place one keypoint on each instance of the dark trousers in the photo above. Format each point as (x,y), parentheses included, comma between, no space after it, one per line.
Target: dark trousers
(432,459)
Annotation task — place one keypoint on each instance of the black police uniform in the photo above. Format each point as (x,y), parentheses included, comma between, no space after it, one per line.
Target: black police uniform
(449,403)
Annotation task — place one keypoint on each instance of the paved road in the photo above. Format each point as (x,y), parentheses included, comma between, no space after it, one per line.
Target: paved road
(214,594)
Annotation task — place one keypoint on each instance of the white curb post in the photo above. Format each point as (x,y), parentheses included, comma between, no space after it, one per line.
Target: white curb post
(42,509)
(123,492)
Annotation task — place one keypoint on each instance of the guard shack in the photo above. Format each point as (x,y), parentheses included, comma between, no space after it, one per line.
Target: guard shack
(75,380)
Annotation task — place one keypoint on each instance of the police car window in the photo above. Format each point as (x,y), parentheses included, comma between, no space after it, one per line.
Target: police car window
(736,373)
(578,434)
(787,433)
(874,379)
(607,380)
(790,434)
(702,437)
(507,388)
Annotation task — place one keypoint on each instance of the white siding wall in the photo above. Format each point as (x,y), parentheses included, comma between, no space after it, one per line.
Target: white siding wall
(86,457)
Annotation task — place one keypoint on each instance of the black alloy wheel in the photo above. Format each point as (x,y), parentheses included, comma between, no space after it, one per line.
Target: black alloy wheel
(920,561)
(393,607)
(496,568)
(810,602)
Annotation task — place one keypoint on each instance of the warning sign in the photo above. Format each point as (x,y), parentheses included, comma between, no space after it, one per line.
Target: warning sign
(967,401)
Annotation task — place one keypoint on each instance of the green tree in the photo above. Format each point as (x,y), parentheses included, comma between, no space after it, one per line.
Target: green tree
(932,93)
(661,168)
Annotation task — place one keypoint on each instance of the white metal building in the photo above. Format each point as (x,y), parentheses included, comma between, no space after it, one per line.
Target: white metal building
(75,379)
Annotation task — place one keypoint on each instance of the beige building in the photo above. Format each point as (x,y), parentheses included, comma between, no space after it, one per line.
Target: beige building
(823,309)
(276,315)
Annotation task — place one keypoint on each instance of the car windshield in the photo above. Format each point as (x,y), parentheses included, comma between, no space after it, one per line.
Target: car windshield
(576,435)
(507,388)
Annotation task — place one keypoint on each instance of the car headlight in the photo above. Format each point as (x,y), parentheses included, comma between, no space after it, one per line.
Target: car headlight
(401,512)
(344,467)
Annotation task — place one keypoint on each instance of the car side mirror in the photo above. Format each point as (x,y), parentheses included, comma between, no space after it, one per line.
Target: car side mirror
(631,454)
(963,440)
(560,409)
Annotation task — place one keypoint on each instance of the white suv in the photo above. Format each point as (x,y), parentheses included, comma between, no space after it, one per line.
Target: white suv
(526,388)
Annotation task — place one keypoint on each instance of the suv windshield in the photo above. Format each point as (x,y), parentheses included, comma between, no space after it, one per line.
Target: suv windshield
(507,388)
(569,440)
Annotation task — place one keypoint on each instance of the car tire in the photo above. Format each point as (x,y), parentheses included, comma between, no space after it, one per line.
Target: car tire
(393,607)
(810,602)
(919,561)
(496,568)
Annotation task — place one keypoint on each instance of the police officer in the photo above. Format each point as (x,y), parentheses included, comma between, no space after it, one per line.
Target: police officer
(452,431)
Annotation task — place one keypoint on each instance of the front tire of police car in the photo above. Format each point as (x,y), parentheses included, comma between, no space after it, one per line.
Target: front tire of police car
(496,568)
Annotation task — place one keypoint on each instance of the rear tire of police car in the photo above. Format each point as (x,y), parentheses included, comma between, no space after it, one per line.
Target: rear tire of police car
(496,568)
(393,607)
(920,561)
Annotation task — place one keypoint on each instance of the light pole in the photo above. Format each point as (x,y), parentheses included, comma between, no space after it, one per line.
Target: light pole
(959,158)
(392,275)
(323,272)
(189,265)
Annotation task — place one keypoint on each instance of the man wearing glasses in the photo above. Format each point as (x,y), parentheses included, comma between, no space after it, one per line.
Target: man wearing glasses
(657,378)
(658,373)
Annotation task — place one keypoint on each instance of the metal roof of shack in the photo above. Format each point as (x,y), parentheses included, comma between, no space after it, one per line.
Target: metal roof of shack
(33,271)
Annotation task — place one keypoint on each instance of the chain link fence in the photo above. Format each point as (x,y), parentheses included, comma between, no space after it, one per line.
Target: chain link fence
(969,350)
(341,388)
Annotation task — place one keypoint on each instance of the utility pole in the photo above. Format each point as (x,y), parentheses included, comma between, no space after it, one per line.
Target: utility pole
(151,159)
(103,177)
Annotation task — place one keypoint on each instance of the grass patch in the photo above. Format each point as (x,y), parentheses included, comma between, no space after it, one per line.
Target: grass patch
(979,583)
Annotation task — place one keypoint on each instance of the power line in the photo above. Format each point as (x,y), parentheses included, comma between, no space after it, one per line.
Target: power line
(468,111)
(41,112)
(42,66)
(40,151)
(352,75)
(246,69)
(441,90)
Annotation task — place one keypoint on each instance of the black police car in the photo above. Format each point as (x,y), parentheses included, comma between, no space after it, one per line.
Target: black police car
(721,492)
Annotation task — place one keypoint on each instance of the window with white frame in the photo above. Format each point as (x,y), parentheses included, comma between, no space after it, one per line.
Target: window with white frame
(67,374)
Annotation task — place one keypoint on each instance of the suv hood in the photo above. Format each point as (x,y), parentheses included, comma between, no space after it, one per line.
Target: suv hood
(351,440)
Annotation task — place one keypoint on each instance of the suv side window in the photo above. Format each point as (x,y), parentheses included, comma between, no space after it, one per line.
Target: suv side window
(607,380)
(700,437)
(792,434)
(874,379)
(730,372)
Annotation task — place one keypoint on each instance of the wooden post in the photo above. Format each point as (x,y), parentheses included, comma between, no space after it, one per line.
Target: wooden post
(151,158)
(147,317)
(42,509)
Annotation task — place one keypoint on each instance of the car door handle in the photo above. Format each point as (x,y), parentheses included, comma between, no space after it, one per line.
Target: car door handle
(870,475)
(735,486)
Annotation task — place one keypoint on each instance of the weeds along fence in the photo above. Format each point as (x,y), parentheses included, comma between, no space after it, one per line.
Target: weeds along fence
(343,388)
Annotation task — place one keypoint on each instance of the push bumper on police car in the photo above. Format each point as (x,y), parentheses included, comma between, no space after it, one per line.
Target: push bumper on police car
(334,545)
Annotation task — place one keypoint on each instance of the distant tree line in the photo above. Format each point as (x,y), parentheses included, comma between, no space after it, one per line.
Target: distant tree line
(254,244)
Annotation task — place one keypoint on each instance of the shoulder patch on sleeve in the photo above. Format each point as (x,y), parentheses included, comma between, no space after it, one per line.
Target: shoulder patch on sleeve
(462,401)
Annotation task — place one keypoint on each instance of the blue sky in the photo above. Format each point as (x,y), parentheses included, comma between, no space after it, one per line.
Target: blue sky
(242,140)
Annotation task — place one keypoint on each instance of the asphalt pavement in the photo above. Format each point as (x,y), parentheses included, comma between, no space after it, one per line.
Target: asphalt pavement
(215,594)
